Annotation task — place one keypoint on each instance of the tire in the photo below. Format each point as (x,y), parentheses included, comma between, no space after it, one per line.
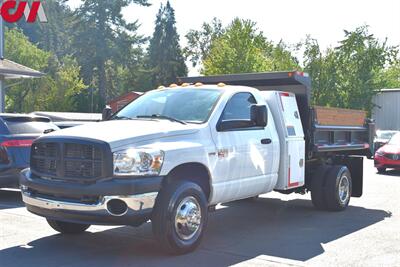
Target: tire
(67,227)
(381,170)
(179,197)
(338,188)
(317,187)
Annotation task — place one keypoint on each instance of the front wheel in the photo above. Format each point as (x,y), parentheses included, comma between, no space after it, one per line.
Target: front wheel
(67,227)
(180,216)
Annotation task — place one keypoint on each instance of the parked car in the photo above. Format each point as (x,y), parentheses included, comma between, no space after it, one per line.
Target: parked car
(388,156)
(382,138)
(65,120)
(17,132)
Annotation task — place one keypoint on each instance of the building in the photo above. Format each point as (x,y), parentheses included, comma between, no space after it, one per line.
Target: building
(386,112)
(121,101)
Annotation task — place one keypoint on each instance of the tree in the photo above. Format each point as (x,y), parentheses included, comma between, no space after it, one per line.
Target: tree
(390,76)
(54,92)
(165,57)
(54,36)
(242,48)
(199,41)
(103,35)
(348,75)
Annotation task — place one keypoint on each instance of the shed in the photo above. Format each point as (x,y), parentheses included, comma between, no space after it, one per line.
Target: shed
(121,101)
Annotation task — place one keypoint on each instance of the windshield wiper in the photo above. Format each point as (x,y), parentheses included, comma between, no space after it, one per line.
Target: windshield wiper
(159,116)
(122,118)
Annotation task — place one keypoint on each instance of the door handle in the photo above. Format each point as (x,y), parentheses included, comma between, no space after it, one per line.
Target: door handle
(266,141)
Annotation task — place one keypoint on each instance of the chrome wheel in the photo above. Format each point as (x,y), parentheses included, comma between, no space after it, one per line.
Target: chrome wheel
(188,218)
(344,189)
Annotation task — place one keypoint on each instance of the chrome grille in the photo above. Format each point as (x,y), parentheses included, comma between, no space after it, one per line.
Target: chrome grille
(392,156)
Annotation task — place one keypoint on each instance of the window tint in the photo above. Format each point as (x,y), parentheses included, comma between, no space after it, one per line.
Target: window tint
(238,107)
(28,125)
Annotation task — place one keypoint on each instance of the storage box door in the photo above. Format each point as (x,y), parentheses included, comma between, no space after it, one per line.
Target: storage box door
(296,164)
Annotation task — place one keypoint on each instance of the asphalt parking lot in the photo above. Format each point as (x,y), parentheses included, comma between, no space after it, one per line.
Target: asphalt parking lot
(273,230)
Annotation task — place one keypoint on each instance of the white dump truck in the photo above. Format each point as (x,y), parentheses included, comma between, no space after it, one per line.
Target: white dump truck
(174,153)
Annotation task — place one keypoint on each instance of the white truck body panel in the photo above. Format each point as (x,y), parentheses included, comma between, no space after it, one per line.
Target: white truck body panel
(239,165)
(284,109)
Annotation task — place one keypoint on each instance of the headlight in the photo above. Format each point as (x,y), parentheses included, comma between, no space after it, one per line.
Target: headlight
(138,162)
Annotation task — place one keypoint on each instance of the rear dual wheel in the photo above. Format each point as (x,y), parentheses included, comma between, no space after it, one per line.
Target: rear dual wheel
(331,188)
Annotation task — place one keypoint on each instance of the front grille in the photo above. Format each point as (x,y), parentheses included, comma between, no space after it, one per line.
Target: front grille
(44,158)
(66,161)
(392,156)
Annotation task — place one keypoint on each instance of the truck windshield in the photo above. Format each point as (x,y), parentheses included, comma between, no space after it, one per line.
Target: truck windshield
(186,104)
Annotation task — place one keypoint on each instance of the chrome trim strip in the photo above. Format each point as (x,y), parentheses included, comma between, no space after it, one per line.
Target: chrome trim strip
(134,202)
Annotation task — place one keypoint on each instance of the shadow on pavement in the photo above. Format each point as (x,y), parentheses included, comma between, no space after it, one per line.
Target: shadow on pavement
(237,232)
(391,173)
(10,199)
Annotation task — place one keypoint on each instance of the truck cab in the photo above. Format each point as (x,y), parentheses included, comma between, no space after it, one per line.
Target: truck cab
(174,153)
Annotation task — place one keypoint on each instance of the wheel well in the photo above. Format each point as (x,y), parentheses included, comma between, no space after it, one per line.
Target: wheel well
(194,172)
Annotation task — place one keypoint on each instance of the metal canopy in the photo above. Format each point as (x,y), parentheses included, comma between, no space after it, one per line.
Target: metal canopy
(254,79)
(12,70)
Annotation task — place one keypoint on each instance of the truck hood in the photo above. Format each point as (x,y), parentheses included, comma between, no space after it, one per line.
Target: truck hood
(124,132)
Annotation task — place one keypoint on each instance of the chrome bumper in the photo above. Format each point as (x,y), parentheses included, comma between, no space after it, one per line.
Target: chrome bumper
(134,203)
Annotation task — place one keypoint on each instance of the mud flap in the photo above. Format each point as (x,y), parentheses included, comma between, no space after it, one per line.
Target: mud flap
(355,166)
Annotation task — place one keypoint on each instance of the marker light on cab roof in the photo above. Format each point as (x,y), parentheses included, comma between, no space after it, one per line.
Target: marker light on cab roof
(161,87)
(198,84)
(221,84)
(185,84)
(173,85)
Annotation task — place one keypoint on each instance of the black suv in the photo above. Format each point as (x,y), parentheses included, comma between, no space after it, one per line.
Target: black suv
(17,132)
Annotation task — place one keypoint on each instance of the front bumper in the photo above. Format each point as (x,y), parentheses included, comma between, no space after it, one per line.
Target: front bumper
(383,162)
(90,204)
(9,177)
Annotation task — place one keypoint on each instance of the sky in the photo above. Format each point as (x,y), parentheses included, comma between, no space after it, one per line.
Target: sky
(287,20)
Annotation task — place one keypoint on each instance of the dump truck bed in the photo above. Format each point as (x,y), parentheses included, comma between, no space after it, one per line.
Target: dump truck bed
(326,130)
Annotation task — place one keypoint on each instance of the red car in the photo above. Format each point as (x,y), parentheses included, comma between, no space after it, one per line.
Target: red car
(388,156)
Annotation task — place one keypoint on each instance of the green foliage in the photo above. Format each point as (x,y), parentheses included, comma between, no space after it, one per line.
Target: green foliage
(390,77)
(102,36)
(55,92)
(199,41)
(54,36)
(165,57)
(92,55)
(242,48)
(348,75)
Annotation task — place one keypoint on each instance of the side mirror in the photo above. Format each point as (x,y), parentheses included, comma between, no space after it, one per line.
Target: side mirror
(259,115)
(107,112)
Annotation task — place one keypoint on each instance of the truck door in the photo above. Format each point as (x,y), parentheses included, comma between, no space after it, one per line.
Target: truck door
(243,167)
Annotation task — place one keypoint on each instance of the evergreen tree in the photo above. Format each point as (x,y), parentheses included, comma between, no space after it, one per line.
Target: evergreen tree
(103,36)
(54,36)
(165,57)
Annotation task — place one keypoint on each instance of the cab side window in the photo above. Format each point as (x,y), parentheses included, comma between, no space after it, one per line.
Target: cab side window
(238,107)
